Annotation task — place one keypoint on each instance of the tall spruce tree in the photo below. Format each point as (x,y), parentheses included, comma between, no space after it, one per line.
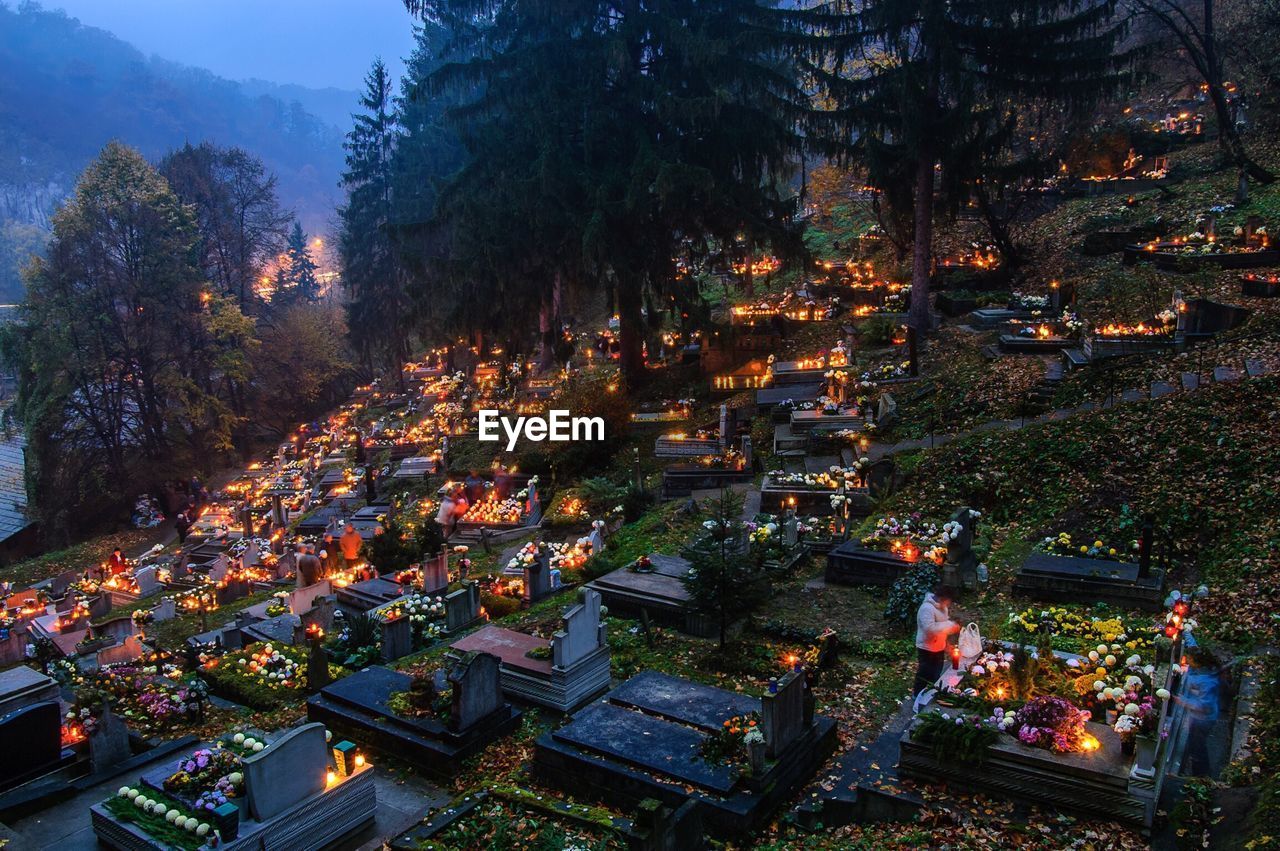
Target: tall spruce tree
(378,319)
(932,77)
(615,135)
(296,275)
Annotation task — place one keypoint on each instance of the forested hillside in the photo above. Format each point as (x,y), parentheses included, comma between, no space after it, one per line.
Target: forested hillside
(67,89)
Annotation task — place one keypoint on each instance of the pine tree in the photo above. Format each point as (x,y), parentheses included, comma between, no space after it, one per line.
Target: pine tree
(934,83)
(296,276)
(724,581)
(378,321)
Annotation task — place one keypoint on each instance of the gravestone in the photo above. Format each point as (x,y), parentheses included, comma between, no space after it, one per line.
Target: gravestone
(725,423)
(880,477)
(477,691)
(146,579)
(109,741)
(537,580)
(321,614)
(782,713)
(33,741)
(166,610)
(397,638)
(303,599)
(317,664)
(886,411)
(435,574)
(220,568)
(596,538)
(583,633)
(23,686)
(790,531)
(462,607)
(286,772)
(746,451)
(961,566)
(128,650)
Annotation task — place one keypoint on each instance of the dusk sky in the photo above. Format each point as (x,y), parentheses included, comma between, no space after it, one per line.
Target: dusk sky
(314,43)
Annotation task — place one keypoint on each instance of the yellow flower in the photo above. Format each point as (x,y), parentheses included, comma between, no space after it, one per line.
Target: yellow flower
(1084,549)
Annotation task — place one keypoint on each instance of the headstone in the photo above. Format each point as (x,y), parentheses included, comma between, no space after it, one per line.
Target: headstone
(961,563)
(23,686)
(435,574)
(397,638)
(286,772)
(317,664)
(32,737)
(462,607)
(782,712)
(303,599)
(321,614)
(220,568)
(746,451)
(477,691)
(128,650)
(886,411)
(109,742)
(146,579)
(790,530)
(880,477)
(596,538)
(167,609)
(725,422)
(537,580)
(583,632)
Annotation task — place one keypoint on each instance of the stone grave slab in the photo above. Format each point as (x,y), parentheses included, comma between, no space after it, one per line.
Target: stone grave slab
(508,645)
(683,701)
(650,743)
(33,742)
(1065,578)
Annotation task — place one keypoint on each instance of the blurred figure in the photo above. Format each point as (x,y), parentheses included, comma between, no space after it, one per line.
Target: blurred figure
(1200,696)
(350,543)
(933,627)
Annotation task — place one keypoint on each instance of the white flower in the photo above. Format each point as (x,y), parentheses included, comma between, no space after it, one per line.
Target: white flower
(1098,685)
(1073,663)
(1110,661)
(1162,693)
(1133,660)
(1131,709)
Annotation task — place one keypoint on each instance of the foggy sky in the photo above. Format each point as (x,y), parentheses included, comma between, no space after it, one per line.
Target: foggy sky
(315,43)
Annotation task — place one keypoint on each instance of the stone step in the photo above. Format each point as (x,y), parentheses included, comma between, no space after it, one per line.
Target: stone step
(1254,367)
(1131,395)
(991,352)
(1053,372)
(1161,388)
(1225,373)
(1190,381)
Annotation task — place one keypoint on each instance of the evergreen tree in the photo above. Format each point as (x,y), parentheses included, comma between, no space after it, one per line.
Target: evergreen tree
(935,80)
(296,276)
(378,321)
(123,354)
(723,580)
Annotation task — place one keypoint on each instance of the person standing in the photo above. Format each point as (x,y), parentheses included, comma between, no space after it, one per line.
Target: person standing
(445,515)
(329,554)
(181,525)
(308,565)
(933,627)
(350,543)
(1201,696)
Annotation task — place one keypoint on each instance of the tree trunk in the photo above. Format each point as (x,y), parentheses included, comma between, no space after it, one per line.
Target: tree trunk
(631,330)
(1228,135)
(921,249)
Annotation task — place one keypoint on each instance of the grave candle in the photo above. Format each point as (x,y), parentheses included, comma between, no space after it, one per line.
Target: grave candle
(955,657)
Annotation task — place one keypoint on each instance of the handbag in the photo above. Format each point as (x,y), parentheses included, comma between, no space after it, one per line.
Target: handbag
(970,642)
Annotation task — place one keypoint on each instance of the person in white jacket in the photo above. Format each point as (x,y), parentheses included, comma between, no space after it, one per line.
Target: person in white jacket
(933,627)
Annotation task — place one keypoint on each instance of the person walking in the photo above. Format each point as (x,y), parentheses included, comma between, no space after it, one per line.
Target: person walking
(181,525)
(1201,697)
(933,627)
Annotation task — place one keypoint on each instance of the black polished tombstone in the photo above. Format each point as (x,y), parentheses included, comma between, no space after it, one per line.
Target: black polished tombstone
(32,738)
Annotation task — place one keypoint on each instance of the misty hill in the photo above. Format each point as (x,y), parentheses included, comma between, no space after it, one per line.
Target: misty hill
(67,89)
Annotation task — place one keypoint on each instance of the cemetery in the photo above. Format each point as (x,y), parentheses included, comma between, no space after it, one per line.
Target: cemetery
(933,504)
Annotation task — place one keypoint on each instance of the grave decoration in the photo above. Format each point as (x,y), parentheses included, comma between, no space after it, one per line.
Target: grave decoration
(286,790)
(1246,248)
(1063,569)
(894,545)
(154,695)
(665,411)
(673,740)
(436,721)
(1080,731)
(811,492)
(561,672)
(777,543)
(263,676)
